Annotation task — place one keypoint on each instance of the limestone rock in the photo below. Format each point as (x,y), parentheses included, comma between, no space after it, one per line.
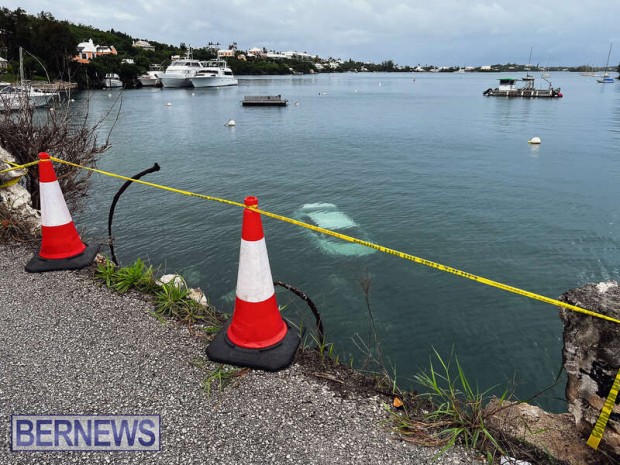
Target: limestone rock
(552,434)
(176,279)
(16,198)
(592,358)
(198,296)
(195,294)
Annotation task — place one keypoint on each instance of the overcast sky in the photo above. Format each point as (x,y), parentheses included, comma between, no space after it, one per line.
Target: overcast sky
(439,32)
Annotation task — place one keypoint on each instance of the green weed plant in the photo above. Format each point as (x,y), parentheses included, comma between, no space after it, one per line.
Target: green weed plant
(456,414)
(171,299)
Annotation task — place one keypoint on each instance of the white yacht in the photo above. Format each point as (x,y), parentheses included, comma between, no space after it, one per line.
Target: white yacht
(215,73)
(150,79)
(180,71)
(22,97)
(112,80)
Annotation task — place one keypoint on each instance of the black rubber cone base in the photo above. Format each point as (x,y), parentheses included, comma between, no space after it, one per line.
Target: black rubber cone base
(39,265)
(273,358)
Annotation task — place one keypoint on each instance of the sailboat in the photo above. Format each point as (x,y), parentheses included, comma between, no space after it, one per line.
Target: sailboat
(606,78)
(23,95)
(588,70)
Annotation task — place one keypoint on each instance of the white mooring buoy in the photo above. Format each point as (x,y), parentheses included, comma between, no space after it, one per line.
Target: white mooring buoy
(230,123)
(168,104)
(534,140)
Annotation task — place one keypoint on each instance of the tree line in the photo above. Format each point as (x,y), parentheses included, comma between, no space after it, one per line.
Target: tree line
(54,44)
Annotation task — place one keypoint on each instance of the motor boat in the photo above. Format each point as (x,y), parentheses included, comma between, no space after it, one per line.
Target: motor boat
(112,80)
(508,88)
(14,98)
(23,95)
(150,79)
(181,71)
(215,73)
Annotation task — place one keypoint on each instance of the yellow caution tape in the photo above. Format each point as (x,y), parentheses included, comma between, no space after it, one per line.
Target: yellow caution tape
(601,423)
(14,167)
(380,248)
(17,167)
(441,267)
(150,184)
(10,183)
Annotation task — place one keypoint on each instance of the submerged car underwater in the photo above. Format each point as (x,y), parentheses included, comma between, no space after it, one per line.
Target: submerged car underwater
(327,216)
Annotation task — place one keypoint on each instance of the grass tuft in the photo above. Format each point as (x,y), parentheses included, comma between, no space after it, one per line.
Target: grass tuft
(456,412)
(172,300)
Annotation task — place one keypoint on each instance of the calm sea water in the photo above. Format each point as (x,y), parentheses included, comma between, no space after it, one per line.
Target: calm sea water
(420,163)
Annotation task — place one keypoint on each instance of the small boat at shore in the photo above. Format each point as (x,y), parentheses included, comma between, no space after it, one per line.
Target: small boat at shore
(21,96)
(112,80)
(264,101)
(150,79)
(215,73)
(14,98)
(508,88)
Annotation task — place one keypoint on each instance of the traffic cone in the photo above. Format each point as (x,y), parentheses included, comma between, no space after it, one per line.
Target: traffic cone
(61,247)
(257,336)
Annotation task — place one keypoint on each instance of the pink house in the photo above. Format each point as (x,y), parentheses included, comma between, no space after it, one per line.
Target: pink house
(88,50)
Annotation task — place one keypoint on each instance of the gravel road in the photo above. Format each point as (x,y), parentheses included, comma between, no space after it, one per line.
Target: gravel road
(70,346)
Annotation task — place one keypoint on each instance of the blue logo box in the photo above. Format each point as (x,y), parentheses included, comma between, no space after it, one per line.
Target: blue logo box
(44,433)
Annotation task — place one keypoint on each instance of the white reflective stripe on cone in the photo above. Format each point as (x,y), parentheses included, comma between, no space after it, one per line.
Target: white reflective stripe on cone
(254,281)
(54,211)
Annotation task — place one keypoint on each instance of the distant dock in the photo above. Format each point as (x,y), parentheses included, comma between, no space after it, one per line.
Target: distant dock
(264,101)
(56,86)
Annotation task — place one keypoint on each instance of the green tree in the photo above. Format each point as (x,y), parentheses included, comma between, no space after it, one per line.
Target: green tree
(53,43)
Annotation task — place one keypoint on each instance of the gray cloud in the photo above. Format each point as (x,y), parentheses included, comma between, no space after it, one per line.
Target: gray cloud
(442,32)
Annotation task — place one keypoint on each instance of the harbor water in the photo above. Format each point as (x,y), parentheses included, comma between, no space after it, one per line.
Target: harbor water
(420,163)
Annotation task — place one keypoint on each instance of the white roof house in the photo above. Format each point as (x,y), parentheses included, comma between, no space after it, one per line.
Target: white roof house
(85,47)
(225,53)
(276,55)
(255,52)
(88,50)
(293,53)
(143,44)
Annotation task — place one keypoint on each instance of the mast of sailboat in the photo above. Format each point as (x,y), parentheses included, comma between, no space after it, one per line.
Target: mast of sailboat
(529,62)
(605,74)
(21,66)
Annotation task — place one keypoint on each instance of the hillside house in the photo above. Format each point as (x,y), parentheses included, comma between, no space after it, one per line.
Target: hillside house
(88,50)
(144,45)
(225,53)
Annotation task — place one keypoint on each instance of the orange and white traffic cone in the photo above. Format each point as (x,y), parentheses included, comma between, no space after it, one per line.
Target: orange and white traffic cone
(257,336)
(61,246)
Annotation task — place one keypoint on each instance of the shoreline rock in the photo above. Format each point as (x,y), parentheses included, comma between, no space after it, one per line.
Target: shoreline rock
(591,358)
(16,198)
